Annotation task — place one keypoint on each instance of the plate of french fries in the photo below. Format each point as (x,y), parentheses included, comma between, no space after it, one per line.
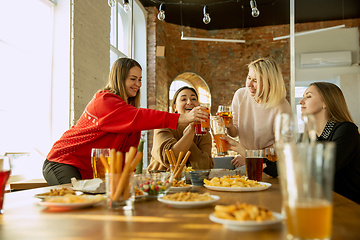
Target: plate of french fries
(235,184)
(244,217)
(188,199)
(69,201)
(179,186)
(58,192)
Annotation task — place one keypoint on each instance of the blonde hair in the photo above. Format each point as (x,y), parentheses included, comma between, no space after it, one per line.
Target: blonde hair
(335,101)
(272,89)
(118,74)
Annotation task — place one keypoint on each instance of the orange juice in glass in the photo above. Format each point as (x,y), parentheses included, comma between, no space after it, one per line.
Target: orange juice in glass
(205,126)
(225,113)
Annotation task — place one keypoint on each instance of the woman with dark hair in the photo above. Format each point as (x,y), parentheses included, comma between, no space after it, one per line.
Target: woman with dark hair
(112,119)
(183,139)
(334,123)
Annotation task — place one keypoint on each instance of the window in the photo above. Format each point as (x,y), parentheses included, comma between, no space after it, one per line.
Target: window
(26,37)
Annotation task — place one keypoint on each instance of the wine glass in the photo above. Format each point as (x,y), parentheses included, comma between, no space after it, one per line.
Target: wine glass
(5,170)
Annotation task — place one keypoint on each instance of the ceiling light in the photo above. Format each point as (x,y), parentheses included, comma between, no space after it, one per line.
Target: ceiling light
(127,7)
(254,11)
(112,3)
(206,18)
(310,32)
(161,15)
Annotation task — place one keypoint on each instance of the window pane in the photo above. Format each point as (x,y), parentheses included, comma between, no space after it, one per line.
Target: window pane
(25,73)
(123,30)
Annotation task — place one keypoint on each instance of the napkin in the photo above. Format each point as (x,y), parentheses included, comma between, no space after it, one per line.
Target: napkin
(95,185)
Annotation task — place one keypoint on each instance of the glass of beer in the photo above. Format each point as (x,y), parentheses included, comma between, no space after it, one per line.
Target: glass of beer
(306,172)
(205,126)
(218,130)
(225,113)
(270,154)
(254,164)
(98,168)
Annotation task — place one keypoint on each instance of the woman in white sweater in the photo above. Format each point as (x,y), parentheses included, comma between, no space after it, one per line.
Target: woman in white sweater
(255,108)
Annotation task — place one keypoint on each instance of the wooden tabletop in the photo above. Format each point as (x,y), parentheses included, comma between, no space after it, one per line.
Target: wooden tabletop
(23,218)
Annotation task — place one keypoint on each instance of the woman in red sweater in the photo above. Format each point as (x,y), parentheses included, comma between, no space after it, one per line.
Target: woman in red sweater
(112,119)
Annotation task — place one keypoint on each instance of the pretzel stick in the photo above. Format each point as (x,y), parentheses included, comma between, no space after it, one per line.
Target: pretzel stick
(125,174)
(104,162)
(169,159)
(181,155)
(183,163)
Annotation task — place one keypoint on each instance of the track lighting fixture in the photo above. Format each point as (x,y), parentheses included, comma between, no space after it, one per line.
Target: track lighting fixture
(112,3)
(161,15)
(206,18)
(254,11)
(127,7)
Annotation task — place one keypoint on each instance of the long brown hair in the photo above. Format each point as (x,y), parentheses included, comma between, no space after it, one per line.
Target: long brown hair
(118,74)
(177,94)
(335,101)
(269,76)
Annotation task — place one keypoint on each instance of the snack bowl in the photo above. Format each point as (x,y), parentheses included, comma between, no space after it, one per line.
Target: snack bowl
(197,177)
(154,184)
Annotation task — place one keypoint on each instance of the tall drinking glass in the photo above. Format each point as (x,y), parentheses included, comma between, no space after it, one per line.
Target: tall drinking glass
(225,113)
(98,168)
(218,130)
(205,126)
(4,176)
(254,164)
(306,173)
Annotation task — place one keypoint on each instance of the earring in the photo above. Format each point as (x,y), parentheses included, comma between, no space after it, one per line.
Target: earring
(324,107)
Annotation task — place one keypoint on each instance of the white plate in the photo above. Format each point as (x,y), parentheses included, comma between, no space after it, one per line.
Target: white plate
(43,197)
(247,225)
(67,206)
(178,204)
(180,189)
(240,189)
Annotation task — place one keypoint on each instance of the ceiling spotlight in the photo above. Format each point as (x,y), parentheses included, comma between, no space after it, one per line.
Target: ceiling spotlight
(127,7)
(254,11)
(161,15)
(206,18)
(112,3)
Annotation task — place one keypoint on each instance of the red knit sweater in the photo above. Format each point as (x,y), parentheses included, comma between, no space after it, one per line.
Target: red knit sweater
(107,122)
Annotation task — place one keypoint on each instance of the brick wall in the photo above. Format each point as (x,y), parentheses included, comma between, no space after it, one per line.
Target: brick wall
(90,51)
(221,65)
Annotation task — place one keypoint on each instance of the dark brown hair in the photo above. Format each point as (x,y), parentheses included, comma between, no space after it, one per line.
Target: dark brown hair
(177,94)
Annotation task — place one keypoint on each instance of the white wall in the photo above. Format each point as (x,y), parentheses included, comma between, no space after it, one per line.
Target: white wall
(345,39)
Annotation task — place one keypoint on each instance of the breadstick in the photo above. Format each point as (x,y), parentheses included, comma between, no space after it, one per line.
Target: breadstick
(173,159)
(183,163)
(125,174)
(119,162)
(112,179)
(136,160)
(104,162)
(170,159)
(181,155)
